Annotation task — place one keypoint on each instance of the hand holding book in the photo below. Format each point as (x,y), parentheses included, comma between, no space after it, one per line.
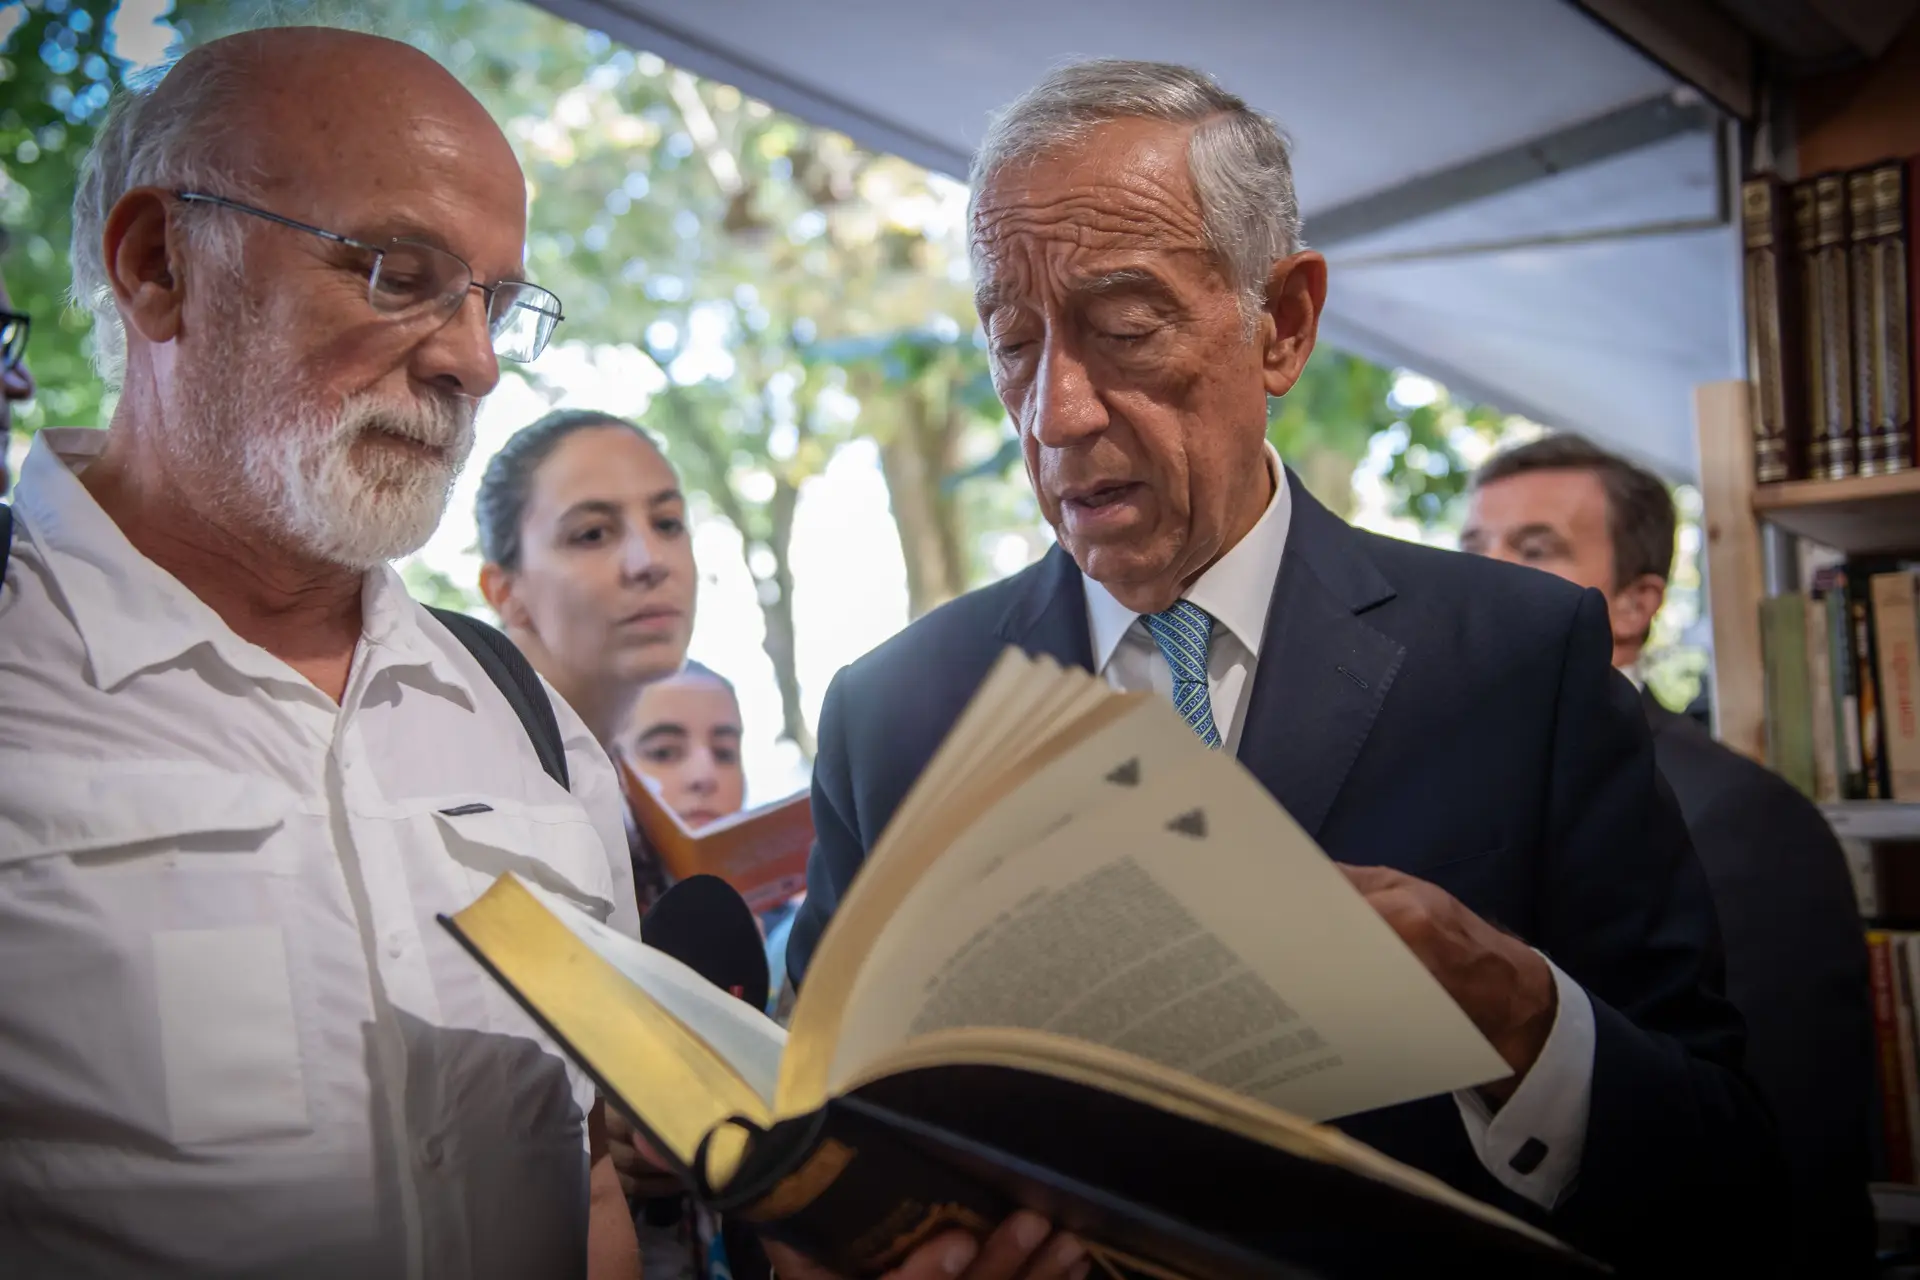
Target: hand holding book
(1496,979)
(1024,1246)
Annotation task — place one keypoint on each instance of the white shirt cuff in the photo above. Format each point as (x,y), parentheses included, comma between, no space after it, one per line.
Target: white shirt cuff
(1533,1144)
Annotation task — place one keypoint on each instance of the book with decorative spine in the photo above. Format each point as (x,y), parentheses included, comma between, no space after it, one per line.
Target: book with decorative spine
(1820,239)
(1882,343)
(1771,283)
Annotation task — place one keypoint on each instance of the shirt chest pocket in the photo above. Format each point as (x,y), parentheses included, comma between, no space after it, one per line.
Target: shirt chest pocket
(553,846)
(144,909)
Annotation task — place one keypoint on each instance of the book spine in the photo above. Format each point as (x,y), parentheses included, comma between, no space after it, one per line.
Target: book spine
(1865,873)
(1783,641)
(1846,692)
(1820,225)
(1886,1037)
(1897,638)
(1872,756)
(1906,947)
(1770,279)
(1883,353)
(1826,746)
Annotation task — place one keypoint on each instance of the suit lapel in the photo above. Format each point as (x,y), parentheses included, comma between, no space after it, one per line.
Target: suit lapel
(1049,613)
(1323,672)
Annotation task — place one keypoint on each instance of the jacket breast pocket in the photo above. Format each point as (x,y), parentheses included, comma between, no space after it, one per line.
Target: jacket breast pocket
(152,895)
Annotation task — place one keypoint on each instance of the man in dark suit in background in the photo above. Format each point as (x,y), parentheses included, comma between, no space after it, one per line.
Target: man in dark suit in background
(1796,953)
(1447,728)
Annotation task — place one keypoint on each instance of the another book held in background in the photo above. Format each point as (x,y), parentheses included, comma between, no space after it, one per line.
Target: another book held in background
(1090,967)
(761,852)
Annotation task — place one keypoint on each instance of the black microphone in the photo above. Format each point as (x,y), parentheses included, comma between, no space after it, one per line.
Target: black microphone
(705,924)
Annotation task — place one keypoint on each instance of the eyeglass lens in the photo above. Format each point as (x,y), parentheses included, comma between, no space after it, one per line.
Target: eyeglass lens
(409,275)
(13,340)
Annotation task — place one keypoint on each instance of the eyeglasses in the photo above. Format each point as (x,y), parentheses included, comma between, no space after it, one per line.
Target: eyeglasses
(13,339)
(410,277)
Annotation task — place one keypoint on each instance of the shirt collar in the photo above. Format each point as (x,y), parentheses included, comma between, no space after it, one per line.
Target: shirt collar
(131,614)
(1236,590)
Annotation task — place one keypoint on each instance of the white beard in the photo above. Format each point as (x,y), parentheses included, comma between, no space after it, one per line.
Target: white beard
(287,468)
(358,512)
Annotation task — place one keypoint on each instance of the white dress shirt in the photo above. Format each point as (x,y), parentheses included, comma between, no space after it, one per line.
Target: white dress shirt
(233,1037)
(1533,1143)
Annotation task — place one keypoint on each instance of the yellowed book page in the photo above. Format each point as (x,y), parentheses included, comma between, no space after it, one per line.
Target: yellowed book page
(747,1039)
(1188,921)
(670,1078)
(1024,703)
(880,921)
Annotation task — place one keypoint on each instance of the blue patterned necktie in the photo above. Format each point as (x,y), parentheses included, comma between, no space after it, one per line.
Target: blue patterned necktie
(1183,634)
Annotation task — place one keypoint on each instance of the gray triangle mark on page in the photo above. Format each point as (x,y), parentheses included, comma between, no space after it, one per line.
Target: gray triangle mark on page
(1191,823)
(1128,774)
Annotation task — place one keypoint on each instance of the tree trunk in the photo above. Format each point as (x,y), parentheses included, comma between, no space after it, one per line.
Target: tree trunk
(1328,475)
(915,459)
(775,592)
(776,607)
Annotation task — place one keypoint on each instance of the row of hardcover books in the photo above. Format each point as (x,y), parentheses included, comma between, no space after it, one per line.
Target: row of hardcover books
(1840,662)
(1830,285)
(1895,970)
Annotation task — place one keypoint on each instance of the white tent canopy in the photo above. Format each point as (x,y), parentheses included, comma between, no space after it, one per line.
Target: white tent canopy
(1515,201)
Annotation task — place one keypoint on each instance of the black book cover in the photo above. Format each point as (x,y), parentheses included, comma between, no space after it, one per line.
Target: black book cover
(875,1173)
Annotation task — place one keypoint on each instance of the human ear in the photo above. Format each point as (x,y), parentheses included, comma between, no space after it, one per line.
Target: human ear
(1296,294)
(142,250)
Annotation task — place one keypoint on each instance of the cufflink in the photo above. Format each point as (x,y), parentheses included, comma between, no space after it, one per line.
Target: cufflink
(1528,1157)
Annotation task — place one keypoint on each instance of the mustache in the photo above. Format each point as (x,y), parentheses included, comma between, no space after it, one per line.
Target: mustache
(438,421)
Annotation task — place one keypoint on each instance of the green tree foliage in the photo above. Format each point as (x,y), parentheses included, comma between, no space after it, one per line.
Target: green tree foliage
(675,216)
(57,68)
(1343,405)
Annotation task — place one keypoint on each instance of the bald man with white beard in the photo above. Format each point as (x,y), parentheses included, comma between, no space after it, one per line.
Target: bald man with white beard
(240,770)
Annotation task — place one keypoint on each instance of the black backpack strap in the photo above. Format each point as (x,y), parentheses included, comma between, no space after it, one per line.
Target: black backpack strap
(6,540)
(508,668)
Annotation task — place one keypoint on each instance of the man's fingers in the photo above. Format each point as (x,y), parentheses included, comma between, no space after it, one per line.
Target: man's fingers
(1020,1240)
(1063,1257)
(1369,879)
(1025,1247)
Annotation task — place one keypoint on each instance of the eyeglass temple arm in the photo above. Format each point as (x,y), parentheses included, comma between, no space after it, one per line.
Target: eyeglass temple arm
(195,197)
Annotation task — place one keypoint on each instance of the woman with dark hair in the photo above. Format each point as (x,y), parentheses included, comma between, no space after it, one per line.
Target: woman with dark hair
(589,564)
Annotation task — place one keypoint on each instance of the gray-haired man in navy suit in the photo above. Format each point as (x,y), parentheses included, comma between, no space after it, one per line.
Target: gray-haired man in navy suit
(1447,728)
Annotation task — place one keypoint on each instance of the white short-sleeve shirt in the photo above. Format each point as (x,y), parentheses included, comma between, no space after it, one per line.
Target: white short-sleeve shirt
(233,1037)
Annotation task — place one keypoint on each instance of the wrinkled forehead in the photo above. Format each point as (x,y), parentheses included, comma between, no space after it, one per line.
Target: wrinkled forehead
(398,159)
(1122,192)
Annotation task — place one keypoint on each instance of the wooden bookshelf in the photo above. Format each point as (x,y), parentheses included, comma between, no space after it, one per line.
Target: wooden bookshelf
(1873,819)
(1757,538)
(1860,515)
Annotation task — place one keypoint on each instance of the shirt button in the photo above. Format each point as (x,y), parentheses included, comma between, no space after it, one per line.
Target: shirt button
(430,1153)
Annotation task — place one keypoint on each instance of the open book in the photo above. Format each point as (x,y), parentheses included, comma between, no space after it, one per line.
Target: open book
(761,852)
(1090,967)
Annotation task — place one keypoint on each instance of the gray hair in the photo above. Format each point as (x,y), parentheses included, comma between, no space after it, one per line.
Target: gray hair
(173,141)
(1239,160)
(180,139)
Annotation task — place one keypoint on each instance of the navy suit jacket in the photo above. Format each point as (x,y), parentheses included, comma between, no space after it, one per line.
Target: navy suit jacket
(1797,970)
(1459,720)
